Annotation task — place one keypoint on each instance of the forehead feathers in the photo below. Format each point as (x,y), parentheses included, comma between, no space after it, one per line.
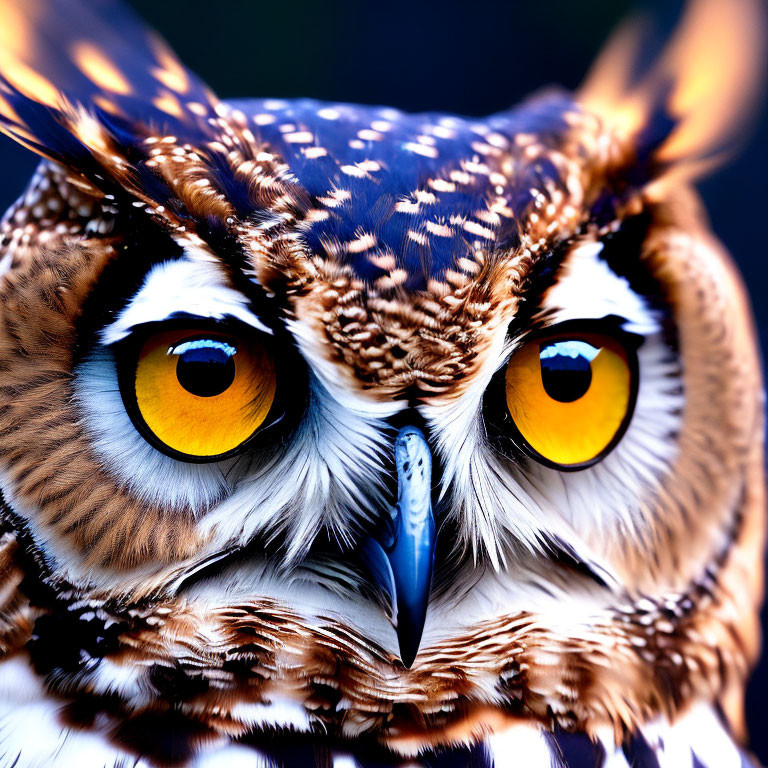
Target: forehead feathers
(401,200)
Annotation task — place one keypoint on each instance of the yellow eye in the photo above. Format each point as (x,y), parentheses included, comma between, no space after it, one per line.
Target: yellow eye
(201,394)
(570,396)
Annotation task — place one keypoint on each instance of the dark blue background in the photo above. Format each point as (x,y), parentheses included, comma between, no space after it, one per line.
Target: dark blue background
(471,57)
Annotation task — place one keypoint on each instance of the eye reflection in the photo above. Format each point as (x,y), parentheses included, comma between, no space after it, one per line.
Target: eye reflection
(205,367)
(566,369)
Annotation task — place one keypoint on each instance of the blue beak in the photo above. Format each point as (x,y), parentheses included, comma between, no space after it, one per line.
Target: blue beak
(402,558)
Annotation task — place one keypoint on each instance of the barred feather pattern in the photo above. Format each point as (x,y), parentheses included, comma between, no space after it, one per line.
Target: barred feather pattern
(32,738)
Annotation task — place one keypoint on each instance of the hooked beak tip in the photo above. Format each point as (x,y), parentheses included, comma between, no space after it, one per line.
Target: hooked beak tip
(409,639)
(408,656)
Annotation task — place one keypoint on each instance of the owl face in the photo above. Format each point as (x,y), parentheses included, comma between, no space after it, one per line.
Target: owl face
(398,426)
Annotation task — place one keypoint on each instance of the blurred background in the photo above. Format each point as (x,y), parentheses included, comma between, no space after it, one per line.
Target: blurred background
(471,57)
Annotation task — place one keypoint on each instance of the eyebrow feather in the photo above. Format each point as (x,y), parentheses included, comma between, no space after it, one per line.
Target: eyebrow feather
(177,288)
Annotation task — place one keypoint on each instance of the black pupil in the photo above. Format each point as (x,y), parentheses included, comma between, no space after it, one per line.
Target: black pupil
(206,370)
(566,369)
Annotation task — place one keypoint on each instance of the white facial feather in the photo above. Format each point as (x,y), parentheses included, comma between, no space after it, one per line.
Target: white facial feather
(587,288)
(156,479)
(192,287)
(498,503)
(330,474)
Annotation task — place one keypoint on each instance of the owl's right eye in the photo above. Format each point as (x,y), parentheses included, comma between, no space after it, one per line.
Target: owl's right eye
(198,394)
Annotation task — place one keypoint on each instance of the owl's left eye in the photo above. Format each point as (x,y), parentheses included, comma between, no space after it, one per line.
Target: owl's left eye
(198,394)
(570,396)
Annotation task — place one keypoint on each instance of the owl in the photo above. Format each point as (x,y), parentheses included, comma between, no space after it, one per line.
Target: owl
(332,435)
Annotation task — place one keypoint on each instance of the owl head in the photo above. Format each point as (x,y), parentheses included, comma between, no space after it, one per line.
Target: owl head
(387,426)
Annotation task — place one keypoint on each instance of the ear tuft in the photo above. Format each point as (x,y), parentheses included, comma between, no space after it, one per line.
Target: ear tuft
(84,82)
(688,110)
